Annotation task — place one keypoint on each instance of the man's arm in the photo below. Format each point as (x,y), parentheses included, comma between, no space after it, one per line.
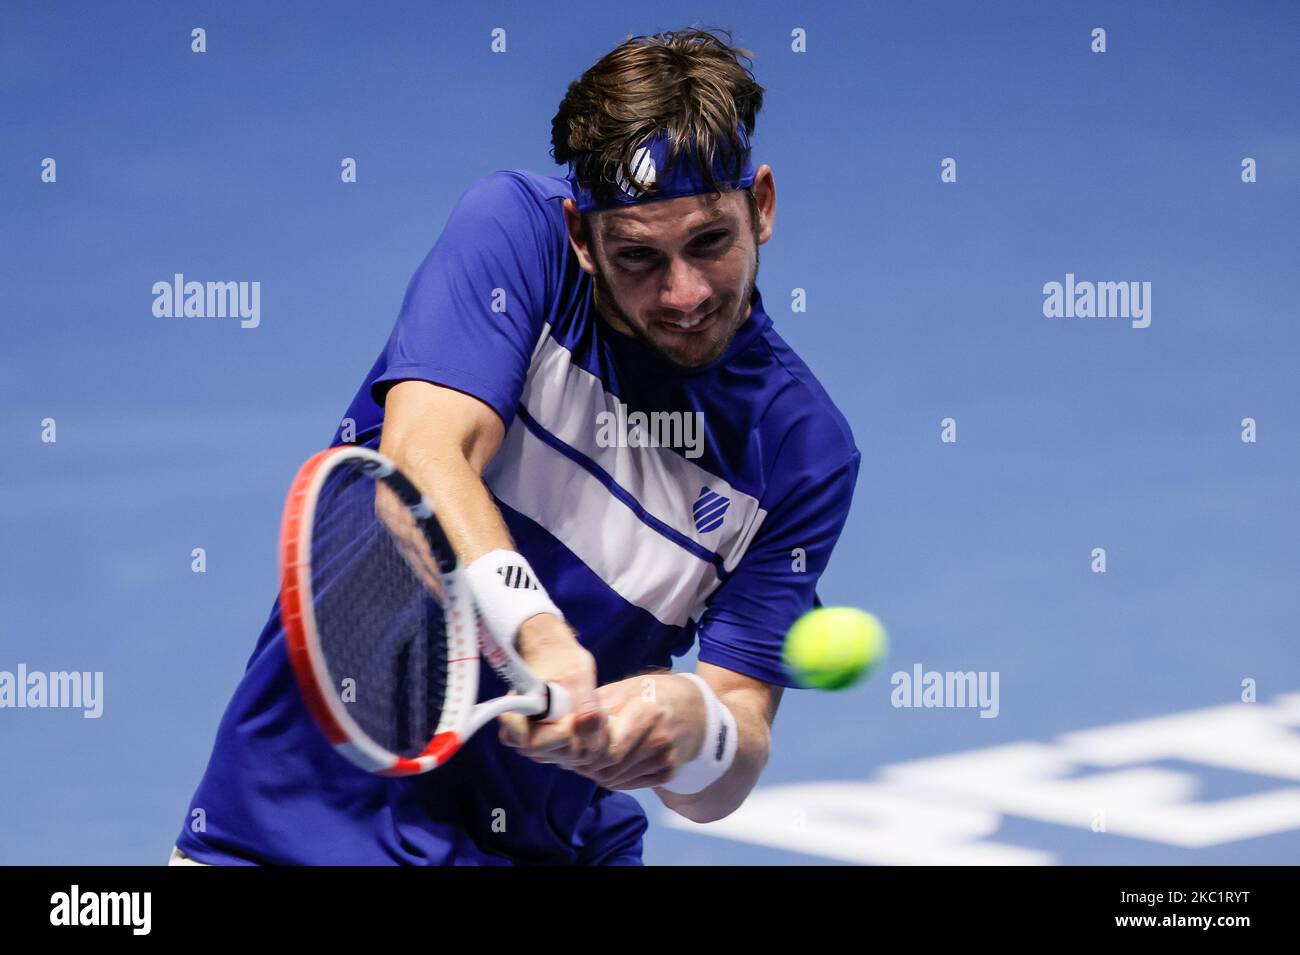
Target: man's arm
(753,703)
(442,439)
(657,725)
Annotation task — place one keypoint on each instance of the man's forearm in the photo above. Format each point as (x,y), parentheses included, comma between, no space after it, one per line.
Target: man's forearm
(443,440)
(467,514)
(465,509)
(753,747)
(724,797)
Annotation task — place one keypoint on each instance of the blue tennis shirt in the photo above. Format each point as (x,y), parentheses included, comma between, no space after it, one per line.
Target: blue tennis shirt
(645,549)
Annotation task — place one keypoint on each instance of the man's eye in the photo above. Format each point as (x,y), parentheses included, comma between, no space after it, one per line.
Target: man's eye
(703,242)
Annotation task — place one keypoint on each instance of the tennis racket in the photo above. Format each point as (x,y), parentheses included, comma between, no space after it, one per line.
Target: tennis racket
(384,636)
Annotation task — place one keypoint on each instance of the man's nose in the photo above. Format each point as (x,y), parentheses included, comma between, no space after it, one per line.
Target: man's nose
(684,289)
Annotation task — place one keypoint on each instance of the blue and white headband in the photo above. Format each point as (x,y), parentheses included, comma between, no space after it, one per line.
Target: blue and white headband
(683,179)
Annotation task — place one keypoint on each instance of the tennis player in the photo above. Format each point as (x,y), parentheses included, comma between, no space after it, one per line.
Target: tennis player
(582,377)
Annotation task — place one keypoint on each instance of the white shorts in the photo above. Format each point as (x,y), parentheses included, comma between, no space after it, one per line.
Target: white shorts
(180,858)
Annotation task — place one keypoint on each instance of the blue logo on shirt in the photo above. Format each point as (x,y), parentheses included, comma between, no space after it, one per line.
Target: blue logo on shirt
(710,508)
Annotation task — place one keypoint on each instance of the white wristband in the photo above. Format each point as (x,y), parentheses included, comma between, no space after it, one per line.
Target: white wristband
(719,749)
(507,593)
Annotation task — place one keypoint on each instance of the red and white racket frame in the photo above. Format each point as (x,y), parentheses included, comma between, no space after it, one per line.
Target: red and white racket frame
(467,637)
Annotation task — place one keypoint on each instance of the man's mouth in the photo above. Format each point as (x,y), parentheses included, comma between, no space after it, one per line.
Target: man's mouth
(692,325)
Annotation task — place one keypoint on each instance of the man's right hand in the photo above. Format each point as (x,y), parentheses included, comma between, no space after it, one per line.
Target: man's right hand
(552,651)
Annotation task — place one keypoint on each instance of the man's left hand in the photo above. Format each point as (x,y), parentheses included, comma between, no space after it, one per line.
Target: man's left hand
(655,725)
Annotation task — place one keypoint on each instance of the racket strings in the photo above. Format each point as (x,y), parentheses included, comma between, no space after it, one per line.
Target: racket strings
(380,611)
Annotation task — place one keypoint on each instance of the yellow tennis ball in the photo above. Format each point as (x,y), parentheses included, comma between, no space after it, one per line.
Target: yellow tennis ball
(831,648)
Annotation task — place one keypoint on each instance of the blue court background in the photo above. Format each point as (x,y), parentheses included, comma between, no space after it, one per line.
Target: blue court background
(924,300)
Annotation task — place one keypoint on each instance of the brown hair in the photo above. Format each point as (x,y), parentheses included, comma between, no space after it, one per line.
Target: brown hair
(689,82)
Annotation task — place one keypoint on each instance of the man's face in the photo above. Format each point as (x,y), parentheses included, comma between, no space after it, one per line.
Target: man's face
(678,273)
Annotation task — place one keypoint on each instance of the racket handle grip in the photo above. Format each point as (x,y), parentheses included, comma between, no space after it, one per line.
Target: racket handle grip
(558,698)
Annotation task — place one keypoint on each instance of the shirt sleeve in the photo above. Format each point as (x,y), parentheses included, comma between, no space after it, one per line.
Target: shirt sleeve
(743,627)
(476,305)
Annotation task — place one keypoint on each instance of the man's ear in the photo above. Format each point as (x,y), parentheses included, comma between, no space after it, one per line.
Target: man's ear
(573,223)
(764,192)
